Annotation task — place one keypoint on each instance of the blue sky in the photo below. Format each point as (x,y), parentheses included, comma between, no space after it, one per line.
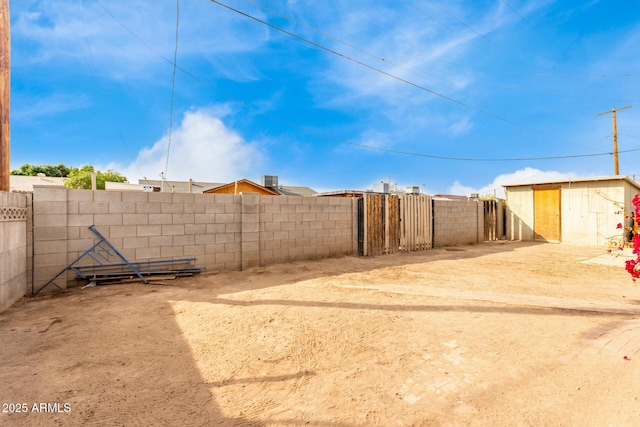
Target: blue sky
(328,94)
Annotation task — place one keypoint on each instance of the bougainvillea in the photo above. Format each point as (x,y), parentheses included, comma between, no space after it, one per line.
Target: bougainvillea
(633,265)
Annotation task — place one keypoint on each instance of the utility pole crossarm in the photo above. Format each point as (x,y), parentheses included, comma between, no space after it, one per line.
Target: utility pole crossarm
(615,135)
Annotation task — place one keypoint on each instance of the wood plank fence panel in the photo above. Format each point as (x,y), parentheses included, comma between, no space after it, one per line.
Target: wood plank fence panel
(390,223)
(491,220)
(380,225)
(416,219)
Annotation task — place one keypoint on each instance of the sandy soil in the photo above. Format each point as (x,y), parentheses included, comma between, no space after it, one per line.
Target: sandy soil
(516,334)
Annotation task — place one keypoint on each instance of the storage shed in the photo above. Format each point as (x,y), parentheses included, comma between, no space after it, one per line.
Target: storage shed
(581,211)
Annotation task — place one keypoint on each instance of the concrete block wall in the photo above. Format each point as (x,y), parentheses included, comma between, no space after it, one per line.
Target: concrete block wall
(457,222)
(13,248)
(222,231)
(49,238)
(293,228)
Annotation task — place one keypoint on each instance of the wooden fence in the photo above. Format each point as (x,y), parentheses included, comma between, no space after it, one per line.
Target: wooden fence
(378,224)
(493,220)
(416,223)
(389,223)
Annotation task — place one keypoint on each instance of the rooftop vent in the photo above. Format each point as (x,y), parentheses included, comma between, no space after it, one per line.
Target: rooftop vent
(270,181)
(412,190)
(381,187)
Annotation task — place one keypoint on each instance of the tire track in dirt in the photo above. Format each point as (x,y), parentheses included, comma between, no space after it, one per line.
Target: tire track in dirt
(501,298)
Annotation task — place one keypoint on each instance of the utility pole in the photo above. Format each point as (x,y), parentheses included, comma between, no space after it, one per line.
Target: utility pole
(615,136)
(5,95)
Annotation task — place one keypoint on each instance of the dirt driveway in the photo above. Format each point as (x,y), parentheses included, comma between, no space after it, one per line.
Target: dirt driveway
(494,334)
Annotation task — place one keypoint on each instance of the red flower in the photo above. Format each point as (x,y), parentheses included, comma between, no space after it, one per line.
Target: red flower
(619,225)
(630,266)
(636,244)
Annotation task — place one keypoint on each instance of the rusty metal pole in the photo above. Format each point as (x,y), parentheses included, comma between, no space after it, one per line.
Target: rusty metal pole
(5,95)
(616,170)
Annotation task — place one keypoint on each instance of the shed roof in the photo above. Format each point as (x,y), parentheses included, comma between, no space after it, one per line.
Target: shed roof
(572,180)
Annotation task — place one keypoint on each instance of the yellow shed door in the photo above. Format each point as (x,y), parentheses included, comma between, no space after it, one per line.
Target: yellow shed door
(546,214)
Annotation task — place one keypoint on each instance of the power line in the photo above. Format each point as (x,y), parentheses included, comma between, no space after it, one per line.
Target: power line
(411,5)
(319,46)
(517,13)
(339,140)
(427,76)
(92,66)
(462,22)
(400,79)
(173,86)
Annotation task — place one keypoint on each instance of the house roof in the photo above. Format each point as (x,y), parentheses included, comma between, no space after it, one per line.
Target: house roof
(571,180)
(242,181)
(289,190)
(24,184)
(201,187)
(181,186)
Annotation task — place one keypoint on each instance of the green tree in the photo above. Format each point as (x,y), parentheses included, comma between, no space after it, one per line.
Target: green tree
(81,178)
(49,170)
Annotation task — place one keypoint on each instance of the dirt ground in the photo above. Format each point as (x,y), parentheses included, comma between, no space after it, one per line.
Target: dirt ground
(508,333)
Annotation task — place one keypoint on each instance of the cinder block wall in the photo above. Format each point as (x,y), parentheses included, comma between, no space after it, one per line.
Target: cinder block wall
(13,248)
(293,228)
(457,222)
(223,231)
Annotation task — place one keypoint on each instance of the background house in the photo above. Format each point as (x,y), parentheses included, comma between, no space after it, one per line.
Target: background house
(582,211)
(25,184)
(268,182)
(242,186)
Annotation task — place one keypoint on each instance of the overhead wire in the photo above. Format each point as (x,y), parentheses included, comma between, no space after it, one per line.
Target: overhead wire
(335,139)
(388,74)
(428,76)
(173,87)
(422,11)
(462,22)
(88,57)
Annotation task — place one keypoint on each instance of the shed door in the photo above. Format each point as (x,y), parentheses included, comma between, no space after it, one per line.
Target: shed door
(546,214)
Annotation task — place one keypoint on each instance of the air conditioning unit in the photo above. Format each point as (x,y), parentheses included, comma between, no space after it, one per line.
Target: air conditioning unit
(270,181)
(381,187)
(412,190)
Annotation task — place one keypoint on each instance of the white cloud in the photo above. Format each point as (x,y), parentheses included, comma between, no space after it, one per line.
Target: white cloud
(202,148)
(461,127)
(527,174)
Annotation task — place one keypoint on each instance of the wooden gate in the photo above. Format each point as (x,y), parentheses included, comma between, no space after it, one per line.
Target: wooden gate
(378,224)
(491,220)
(389,223)
(416,223)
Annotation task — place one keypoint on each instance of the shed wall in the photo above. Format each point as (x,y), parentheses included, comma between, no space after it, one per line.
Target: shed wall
(590,211)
